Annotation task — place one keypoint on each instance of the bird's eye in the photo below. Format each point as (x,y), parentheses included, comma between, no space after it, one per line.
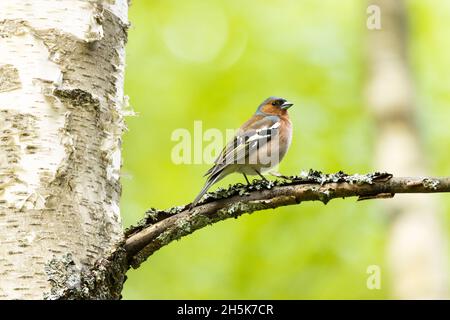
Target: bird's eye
(278,103)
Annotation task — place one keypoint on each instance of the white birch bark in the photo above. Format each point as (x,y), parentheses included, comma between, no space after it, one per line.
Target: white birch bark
(416,247)
(61,121)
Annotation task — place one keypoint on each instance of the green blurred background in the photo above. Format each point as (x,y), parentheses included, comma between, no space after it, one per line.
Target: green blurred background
(215,61)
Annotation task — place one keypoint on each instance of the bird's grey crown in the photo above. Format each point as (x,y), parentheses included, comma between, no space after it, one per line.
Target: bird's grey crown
(258,111)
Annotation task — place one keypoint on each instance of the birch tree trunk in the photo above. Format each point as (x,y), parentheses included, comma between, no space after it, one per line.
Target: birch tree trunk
(416,248)
(61,100)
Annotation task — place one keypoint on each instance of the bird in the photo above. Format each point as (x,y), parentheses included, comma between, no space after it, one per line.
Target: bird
(258,145)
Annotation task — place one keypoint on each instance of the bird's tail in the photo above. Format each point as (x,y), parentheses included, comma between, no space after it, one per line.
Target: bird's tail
(211,180)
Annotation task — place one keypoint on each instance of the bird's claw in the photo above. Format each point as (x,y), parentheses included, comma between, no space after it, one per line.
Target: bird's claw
(279,175)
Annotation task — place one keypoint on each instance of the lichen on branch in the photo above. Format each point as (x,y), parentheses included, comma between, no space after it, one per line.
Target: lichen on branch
(160,227)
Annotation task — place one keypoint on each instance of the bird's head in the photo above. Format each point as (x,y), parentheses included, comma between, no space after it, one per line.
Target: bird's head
(274,106)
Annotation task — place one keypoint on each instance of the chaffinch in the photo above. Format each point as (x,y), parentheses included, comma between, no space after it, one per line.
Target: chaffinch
(259,144)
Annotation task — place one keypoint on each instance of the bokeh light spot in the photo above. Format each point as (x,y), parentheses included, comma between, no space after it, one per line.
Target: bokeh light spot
(196,32)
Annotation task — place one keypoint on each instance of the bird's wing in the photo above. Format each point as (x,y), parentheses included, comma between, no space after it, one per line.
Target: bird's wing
(248,138)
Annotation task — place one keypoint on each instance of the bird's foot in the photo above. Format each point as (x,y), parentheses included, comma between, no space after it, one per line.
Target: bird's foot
(279,175)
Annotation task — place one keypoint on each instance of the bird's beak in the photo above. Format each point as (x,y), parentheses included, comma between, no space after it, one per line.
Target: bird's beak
(286,105)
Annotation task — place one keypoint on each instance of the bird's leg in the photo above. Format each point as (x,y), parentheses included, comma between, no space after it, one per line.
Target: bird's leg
(246,179)
(259,173)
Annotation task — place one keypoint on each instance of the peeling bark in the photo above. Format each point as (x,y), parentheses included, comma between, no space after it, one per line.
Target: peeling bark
(9,78)
(61,121)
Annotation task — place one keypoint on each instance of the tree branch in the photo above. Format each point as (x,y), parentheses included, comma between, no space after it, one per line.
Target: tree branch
(160,227)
